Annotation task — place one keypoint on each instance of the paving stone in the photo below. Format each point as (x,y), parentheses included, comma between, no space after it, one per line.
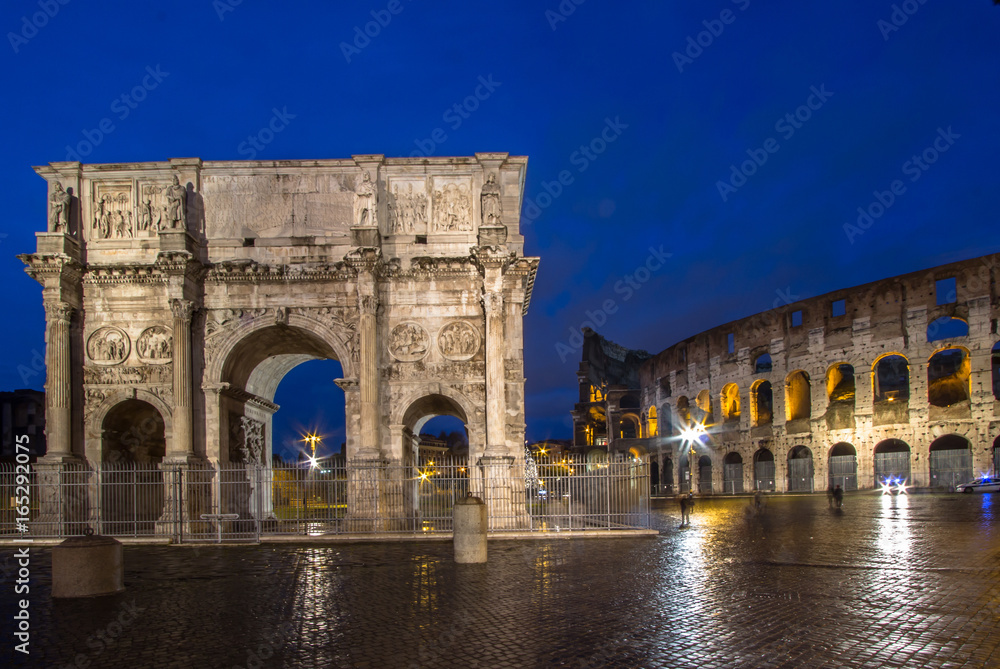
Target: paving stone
(890,582)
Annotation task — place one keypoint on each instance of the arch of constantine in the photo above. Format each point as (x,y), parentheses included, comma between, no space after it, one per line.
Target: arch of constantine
(178,294)
(895,380)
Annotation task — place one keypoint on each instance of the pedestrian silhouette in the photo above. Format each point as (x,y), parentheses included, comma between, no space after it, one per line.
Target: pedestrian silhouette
(829,496)
(687,503)
(838,496)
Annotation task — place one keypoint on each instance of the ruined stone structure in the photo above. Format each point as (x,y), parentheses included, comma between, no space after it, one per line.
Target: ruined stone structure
(897,379)
(178,294)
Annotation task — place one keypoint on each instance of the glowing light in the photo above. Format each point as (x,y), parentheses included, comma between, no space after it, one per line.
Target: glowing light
(886,486)
(693,434)
(313,462)
(901,486)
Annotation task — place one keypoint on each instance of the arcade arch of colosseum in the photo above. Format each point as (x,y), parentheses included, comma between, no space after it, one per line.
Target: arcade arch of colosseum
(897,379)
(180,293)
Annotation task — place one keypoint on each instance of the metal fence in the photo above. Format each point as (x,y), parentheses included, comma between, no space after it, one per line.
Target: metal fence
(244,503)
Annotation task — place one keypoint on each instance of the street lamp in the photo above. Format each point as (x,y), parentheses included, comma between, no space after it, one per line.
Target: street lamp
(692,435)
(312,439)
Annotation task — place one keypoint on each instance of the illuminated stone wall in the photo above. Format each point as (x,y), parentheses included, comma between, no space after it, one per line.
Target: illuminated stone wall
(809,342)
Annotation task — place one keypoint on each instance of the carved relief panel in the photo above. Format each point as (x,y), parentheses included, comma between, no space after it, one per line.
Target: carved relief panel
(458,340)
(452,204)
(407,206)
(108,346)
(154,345)
(151,209)
(112,209)
(408,342)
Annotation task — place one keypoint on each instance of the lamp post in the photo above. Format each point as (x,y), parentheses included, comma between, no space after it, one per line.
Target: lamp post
(607,414)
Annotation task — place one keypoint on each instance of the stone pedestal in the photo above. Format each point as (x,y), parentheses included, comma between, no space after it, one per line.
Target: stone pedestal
(364,495)
(63,496)
(470,522)
(57,243)
(176,240)
(502,491)
(187,489)
(87,566)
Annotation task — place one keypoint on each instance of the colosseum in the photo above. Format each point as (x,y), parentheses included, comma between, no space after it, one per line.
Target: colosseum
(896,380)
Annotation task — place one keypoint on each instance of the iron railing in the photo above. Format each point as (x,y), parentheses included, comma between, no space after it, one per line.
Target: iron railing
(236,502)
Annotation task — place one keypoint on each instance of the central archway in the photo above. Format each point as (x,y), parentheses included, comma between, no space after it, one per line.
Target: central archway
(800,469)
(732,470)
(892,460)
(844,466)
(763,470)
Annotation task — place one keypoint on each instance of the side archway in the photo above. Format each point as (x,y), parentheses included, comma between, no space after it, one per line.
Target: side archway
(763,470)
(844,466)
(800,469)
(950,461)
(732,473)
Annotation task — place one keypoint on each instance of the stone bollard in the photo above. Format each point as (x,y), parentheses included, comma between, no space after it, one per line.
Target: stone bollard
(470,523)
(87,566)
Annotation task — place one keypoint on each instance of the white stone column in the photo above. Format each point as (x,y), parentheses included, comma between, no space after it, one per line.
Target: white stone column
(496,409)
(58,390)
(182,444)
(368,375)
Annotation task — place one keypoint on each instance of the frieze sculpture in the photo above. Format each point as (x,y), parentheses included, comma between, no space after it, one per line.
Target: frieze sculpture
(252,448)
(113,216)
(458,341)
(59,205)
(453,209)
(408,342)
(154,345)
(492,207)
(108,346)
(127,375)
(409,211)
(150,216)
(176,204)
(365,201)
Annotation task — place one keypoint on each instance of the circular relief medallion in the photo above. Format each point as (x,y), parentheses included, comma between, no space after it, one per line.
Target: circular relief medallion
(108,346)
(154,345)
(408,342)
(458,340)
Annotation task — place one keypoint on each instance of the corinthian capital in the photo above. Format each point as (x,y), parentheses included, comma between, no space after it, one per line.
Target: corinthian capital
(58,311)
(182,309)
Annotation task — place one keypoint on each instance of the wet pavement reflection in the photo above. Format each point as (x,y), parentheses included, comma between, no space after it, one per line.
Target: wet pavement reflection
(886,581)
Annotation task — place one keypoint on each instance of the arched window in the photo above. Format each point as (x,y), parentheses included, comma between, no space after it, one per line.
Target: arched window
(731,403)
(683,411)
(948,373)
(704,402)
(798,399)
(947,327)
(996,370)
(761,406)
(762,365)
(840,383)
(651,422)
(628,427)
(891,379)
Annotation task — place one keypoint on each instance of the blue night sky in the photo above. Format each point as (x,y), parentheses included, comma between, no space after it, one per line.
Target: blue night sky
(680,115)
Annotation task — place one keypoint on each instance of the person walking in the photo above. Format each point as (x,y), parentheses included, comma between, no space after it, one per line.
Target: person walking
(829,496)
(686,502)
(838,496)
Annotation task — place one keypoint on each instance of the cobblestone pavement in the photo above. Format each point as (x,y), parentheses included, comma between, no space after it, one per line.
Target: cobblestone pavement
(888,582)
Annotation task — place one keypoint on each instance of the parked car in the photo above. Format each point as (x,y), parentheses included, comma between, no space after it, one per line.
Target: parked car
(983,484)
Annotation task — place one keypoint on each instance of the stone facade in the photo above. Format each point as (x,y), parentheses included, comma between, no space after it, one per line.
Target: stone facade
(188,289)
(901,374)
